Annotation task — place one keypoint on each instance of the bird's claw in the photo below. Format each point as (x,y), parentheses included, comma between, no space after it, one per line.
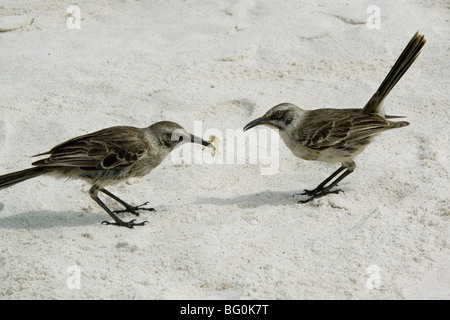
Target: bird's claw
(313,194)
(307,192)
(130,224)
(134,209)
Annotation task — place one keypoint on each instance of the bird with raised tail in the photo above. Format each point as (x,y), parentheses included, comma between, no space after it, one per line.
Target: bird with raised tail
(338,135)
(107,157)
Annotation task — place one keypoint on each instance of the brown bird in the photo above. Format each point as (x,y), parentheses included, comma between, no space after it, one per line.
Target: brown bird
(338,135)
(107,157)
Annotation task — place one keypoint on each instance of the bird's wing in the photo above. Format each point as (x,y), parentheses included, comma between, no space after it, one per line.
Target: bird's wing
(339,127)
(109,148)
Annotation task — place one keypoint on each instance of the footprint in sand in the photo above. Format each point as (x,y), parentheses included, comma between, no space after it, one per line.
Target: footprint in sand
(2,134)
(239,8)
(214,115)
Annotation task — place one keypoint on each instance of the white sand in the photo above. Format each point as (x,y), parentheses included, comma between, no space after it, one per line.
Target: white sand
(224,231)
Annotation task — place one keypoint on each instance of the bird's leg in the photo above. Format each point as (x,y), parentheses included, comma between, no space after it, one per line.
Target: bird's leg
(321,186)
(93,192)
(128,207)
(327,190)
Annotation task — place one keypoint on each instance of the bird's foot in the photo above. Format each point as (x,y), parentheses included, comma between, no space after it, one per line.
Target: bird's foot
(307,192)
(134,209)
(130,224)
(313,194)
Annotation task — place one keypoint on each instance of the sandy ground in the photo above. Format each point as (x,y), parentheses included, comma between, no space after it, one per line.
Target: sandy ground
(224,231)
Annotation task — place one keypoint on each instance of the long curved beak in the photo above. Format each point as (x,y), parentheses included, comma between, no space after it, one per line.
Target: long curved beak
(255,123)
(195,139)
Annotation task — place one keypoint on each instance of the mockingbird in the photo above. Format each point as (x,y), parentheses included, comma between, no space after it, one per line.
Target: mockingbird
(107,157)
(338,135)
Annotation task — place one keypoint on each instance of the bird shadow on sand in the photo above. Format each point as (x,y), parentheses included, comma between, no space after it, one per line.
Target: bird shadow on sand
(43,219)
(253,200)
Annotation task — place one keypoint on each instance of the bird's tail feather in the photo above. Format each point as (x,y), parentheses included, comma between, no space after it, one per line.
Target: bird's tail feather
(393,117)
(406,59)
(397,124)
(12,178)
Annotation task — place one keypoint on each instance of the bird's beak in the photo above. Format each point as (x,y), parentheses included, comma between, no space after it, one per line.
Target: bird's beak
(195,139)
(255,123)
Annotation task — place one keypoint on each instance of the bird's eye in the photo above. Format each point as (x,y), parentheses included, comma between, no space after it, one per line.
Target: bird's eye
(278,114)
(180,138)
(175,137)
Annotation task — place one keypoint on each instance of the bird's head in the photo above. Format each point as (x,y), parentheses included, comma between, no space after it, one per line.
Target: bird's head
(279,117)
(171,135)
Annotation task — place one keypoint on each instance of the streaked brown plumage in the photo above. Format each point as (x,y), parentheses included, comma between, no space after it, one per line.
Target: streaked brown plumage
(338,135)
(107,157)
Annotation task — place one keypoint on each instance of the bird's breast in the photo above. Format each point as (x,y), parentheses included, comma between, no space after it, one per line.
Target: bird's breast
(298,148)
